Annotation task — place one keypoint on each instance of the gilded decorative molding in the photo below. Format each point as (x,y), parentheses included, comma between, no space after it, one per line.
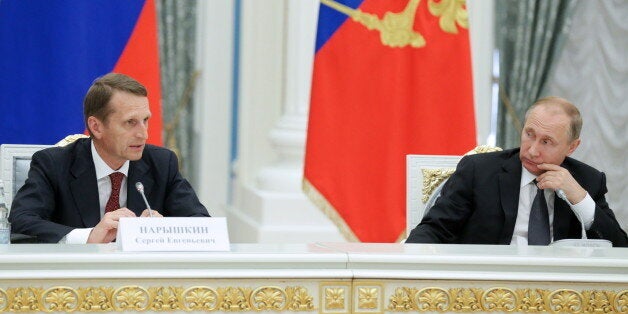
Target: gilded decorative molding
(95,299)
(299,299)
(200,299)
(233,299)
(368,297)
(60,299)
(502,299)
(432,178)
(400,301)
(335,298)
(431,299)
(133,298)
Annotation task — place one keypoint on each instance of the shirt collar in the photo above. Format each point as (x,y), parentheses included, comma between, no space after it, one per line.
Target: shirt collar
(102,169)
(526,177)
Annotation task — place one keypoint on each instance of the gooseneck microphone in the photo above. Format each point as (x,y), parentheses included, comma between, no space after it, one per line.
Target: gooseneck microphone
(140,188)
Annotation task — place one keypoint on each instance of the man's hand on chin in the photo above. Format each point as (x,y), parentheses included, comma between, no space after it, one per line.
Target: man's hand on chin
(105,231)
(556,177)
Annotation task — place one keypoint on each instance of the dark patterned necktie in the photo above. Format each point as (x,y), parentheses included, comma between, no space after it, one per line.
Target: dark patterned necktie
(538,226)
(114,200)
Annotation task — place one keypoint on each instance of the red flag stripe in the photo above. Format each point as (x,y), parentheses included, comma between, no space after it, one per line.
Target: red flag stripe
(140,60)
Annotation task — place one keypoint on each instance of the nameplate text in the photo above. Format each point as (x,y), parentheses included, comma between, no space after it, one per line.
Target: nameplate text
(173,234)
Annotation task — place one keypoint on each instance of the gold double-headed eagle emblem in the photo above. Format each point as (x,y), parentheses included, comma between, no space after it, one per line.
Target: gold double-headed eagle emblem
(396,29)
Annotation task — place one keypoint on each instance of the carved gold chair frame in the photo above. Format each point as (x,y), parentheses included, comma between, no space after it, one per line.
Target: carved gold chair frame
(425,177)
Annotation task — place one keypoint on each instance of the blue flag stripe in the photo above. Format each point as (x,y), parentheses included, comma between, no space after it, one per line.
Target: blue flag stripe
(50,52)
(329,20)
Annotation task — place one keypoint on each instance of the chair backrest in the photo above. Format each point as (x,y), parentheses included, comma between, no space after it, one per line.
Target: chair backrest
(425,177)
(15,161)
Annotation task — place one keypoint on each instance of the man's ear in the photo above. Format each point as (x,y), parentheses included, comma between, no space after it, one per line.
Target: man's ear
(572,147)
(95,126)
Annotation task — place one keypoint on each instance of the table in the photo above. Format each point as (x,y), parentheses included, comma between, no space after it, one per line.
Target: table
(325,278)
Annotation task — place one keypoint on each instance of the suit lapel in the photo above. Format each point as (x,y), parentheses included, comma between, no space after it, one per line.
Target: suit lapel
(83,185)
(138,171)
(509,181)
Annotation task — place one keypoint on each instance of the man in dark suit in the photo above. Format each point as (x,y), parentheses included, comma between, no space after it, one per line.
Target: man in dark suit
(78,193)
(489,198)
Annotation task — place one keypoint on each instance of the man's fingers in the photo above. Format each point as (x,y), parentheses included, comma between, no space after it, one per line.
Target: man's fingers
(550,167)
(155,213)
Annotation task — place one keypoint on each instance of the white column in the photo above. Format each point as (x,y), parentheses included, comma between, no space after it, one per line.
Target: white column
(481,32)
(270,206)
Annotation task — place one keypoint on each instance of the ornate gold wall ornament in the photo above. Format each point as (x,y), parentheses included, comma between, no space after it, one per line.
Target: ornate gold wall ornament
(531,300)
(299,298)
(598,301)
(95,299)
(200,299)
(402,300)
(60,299)
(130,298)
(432,178)
(234,299)
(466,299)
(269,298)
(4,302)
(565,300)
(368,297)
(451,12)
(335,298)
(24,299)
(432,299)
(502,299)
(165,298)
(621,302)
(499,299)
(134,298)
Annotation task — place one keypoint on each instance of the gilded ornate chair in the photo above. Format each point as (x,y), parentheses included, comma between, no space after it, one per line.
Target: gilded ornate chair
(425,177)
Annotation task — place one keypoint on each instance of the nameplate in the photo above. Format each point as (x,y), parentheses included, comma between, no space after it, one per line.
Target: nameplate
(173,234)
(583,243)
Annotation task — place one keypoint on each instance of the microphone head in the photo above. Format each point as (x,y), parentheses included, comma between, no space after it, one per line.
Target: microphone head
(139,187)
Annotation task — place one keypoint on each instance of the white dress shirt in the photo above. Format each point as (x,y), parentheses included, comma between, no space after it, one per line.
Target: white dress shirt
(585,209)
(80,235)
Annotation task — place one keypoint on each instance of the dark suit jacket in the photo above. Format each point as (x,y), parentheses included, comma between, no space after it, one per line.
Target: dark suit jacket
(61,192)
(478,204)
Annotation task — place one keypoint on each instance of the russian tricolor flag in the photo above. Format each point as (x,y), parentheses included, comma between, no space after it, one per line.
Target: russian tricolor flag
(50,53)
(391,78)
